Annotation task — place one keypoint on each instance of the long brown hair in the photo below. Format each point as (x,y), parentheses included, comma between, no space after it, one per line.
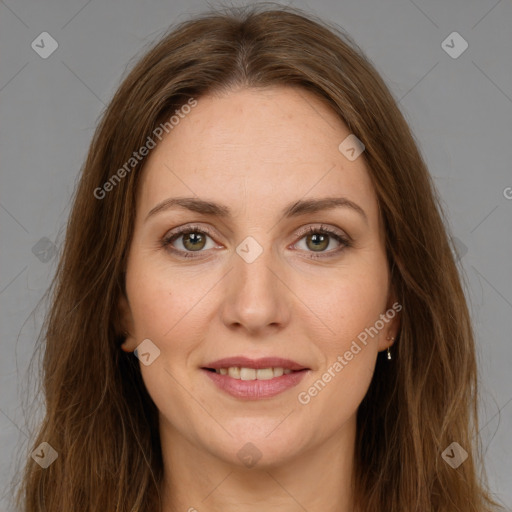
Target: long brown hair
(99,417)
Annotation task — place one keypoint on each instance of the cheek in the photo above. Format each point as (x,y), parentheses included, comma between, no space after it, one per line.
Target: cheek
(336,390)
(349,306)
(348,301)
(167,310)
(163,299)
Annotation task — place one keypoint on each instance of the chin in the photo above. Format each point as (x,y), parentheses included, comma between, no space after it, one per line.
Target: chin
(262,445)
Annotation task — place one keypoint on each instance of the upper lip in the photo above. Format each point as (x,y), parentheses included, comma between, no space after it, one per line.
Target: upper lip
(264,362)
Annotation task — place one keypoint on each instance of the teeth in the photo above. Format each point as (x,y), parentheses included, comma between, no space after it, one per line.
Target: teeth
(265,374)
(247,373)
(236,372)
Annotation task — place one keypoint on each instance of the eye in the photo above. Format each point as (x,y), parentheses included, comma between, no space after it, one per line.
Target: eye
(190,238)
(319,239)
(187,240)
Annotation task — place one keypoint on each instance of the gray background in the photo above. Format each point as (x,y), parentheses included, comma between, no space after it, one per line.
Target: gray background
(460,110)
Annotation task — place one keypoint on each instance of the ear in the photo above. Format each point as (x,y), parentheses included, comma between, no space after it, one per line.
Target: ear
(126,325)
(392,321)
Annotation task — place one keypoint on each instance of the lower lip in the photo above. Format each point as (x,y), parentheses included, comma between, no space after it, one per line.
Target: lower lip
(256,389)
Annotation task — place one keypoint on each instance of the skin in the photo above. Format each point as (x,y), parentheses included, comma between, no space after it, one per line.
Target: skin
(256,151)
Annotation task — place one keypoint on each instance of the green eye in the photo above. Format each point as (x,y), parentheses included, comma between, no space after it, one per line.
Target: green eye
(194,239)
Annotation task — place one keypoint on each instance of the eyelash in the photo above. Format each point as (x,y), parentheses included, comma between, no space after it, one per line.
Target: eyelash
(345,242)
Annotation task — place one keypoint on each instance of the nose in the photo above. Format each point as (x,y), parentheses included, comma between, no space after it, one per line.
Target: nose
(255,295)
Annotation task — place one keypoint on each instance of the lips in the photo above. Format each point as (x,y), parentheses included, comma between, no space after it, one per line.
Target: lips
(247,378)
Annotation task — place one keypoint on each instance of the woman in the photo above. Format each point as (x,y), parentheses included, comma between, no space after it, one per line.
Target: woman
(257,306)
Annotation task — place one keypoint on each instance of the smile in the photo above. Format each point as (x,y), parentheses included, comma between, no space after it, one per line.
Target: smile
(236,372)
(254,379)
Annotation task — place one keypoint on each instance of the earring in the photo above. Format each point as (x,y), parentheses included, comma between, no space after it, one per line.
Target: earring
(389,351)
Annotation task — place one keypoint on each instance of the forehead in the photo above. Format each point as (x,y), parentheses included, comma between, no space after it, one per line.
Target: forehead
(256,147)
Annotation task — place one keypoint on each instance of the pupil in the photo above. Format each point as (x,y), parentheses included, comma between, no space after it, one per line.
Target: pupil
(318,240)
(191,239)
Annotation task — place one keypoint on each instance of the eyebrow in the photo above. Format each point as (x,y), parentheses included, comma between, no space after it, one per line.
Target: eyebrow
(295,209)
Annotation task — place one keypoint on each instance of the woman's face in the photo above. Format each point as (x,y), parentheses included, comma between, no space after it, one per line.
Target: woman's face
(246,285)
